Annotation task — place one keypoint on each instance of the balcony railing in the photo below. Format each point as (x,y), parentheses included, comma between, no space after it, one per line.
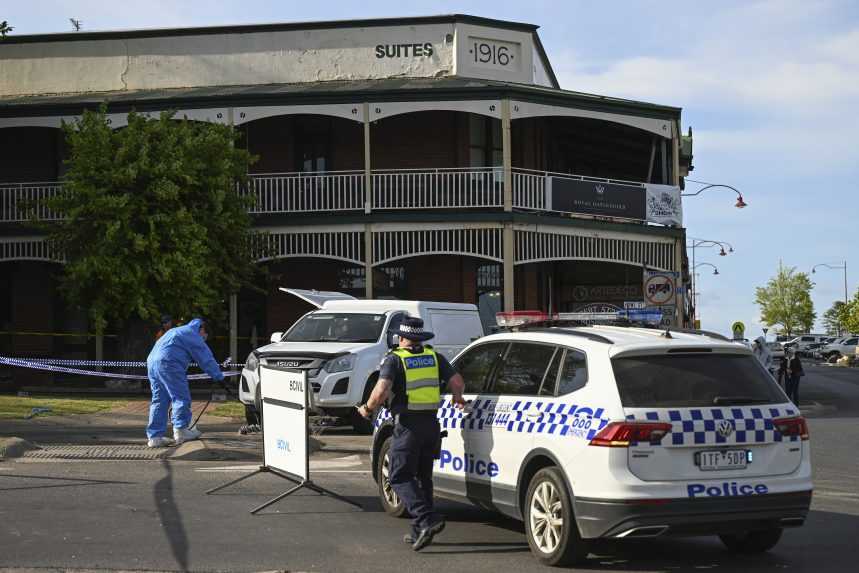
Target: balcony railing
(342,191)
(21,202)
(306,192)
(473,187)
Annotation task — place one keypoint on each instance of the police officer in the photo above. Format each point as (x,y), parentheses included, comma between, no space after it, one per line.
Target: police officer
(409,379)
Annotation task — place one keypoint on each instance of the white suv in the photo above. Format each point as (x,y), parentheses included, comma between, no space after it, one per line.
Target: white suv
(841,347)
(619,432)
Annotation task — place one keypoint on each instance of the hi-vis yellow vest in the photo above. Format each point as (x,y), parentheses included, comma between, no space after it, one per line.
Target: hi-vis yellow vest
(422,379)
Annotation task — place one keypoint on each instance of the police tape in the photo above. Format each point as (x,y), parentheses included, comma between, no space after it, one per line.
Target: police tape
(104,363)
(66,370)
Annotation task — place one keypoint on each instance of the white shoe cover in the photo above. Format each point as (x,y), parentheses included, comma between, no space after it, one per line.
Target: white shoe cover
(182,435)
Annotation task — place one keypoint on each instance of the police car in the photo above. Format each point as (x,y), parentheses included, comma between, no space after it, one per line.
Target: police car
(619,432)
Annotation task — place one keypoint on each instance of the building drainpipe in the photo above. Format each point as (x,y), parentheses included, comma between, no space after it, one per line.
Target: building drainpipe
(508,245)
(234,321)
(680,242)
(368,207)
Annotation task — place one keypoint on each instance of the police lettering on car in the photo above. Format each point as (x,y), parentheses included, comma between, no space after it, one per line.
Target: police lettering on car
(409,380)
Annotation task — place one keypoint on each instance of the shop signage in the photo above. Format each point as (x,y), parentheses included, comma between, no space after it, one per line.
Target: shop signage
(663,205)
(404,50)
(596,198)
(597,307)
(595,293)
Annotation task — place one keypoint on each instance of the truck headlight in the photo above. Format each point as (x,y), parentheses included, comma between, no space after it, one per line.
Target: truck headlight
(340,364)
(252,363)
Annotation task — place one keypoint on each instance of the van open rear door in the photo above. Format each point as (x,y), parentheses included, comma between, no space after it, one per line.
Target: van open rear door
(317,298)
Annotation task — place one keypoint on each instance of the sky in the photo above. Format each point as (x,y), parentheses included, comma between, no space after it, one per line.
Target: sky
(770,89)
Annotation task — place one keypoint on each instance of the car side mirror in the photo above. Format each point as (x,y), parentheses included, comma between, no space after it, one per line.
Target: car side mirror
(276,336)
(393,340)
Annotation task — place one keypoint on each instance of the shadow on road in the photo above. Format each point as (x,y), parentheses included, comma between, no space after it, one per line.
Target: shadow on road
(822,545)
(171,517)
(79,482)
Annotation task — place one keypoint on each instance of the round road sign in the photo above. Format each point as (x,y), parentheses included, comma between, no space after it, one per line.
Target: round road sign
(659,290)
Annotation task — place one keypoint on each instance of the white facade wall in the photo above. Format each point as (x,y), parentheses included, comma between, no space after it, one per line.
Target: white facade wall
(268,57)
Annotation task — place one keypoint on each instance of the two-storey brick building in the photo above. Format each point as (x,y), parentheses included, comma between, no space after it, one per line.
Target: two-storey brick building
(419,158)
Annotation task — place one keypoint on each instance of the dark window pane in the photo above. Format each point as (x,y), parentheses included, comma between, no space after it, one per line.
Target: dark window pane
(523,369)
(575,373)
(694,380)
(476,364)
(551,378)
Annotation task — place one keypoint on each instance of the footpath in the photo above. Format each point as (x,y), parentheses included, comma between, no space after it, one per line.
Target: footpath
(119,434)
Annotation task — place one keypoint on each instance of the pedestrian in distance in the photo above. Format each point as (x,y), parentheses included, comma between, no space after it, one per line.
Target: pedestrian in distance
(793,372)
(166,324)
(763,353)
(410,379)
(167,367)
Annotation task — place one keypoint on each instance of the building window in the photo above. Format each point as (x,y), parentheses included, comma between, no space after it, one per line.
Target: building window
(489,285)
(313,144)
(389,281)
(484,144)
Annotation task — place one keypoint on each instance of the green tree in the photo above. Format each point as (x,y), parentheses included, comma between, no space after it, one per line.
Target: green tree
(152,222)
(786,301)
(832,318)
(849,315)
(5,28)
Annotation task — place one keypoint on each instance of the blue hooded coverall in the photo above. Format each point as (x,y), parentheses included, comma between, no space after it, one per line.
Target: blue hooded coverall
(167,366)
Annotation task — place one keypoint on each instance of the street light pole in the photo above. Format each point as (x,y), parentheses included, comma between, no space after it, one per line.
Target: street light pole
(705,243)
(840,267)
(707,185)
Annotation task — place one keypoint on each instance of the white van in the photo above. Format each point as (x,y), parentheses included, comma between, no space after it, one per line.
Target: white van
(343,342)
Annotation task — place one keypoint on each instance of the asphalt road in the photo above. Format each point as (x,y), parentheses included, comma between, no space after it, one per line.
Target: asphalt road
(153,515)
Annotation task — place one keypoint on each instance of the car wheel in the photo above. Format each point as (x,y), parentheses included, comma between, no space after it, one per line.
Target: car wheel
(752,541)
(389,499)
(550,523)
(360,424)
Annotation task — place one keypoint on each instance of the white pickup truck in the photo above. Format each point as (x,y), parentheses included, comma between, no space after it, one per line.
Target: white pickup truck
(342,343)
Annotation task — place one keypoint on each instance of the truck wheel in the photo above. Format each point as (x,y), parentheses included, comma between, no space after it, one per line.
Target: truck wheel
(550,523)
(752,541)
(389,499)
(360,424)
(258,404)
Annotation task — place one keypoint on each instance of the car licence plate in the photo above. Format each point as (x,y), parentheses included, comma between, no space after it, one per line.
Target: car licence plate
(712,460)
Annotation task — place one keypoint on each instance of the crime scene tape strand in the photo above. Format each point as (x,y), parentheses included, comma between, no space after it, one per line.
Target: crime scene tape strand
(37,365)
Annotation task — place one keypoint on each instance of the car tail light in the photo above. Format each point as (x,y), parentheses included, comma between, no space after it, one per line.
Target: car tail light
(790,427)
(622,434)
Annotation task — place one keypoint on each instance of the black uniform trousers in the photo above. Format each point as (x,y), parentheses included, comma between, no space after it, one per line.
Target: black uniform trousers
(413,448)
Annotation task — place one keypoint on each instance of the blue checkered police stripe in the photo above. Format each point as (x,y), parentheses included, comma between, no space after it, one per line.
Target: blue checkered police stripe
(522,416)
(700,426)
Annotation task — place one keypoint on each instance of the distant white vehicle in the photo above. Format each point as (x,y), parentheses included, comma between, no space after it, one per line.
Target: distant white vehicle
(342,343)
(842,347)
(803,341)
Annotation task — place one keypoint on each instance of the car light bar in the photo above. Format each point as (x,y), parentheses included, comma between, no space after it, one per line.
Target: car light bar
(520,317)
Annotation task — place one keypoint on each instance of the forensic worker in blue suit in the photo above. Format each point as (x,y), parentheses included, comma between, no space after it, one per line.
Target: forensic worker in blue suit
(167,366)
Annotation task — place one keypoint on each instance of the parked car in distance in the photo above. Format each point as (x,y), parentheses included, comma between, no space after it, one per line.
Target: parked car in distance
(843,347)
(776,349)
(802,342)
